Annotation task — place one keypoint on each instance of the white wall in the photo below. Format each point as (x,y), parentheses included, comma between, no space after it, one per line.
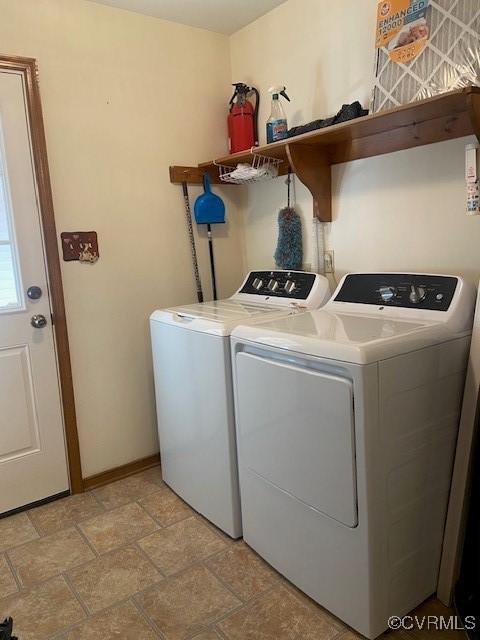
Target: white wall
(399,211)
(124,96)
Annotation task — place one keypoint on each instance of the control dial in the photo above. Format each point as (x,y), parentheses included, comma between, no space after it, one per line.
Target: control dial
(272,285)
(290,286)
(417,294)
(387,293)
(257,284)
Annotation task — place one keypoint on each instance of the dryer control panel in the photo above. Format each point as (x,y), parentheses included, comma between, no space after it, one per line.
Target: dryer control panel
(296,285)
(429,292)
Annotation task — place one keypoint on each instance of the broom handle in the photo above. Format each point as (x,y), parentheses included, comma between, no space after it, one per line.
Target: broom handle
(212,261)
(188,217)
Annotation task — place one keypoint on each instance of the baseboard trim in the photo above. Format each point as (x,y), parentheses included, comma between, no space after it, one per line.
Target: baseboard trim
(117,473)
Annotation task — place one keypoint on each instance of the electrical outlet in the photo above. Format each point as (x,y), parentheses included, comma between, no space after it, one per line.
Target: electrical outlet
(329,262)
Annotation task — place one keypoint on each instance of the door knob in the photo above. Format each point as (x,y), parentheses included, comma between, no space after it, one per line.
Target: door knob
(34,292)
(38,321)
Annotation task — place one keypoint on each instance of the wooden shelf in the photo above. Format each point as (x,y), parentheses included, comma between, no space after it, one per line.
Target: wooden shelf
(310,155)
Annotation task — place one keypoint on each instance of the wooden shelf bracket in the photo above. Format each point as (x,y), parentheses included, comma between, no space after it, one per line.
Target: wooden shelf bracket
(311,163)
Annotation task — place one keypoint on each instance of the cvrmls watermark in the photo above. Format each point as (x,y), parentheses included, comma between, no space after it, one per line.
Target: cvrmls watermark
(432,623)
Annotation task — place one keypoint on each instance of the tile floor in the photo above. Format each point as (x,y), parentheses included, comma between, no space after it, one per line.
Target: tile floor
(132,561)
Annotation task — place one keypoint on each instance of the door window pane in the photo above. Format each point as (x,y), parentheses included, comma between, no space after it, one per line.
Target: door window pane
(8,285)
(3,211)
(10,296)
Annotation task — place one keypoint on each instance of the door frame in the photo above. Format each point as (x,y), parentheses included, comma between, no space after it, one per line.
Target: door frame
(29,70)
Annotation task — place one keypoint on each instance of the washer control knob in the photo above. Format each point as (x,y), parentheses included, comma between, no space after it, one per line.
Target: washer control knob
(387,293)
(257,284)
(272,285)
(290,286)
(417,294)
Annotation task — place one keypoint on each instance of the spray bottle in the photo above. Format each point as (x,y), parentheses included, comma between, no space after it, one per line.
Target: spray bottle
(277,122)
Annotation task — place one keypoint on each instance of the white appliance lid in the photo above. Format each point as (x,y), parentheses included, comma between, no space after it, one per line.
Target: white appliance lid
(263,295)
(350,338)
(358,326)
(219,317)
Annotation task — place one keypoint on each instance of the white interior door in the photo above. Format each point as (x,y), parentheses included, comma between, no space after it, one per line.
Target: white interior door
(33,462)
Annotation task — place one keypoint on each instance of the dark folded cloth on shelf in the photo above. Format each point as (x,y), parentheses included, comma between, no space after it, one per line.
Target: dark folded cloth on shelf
(347,112)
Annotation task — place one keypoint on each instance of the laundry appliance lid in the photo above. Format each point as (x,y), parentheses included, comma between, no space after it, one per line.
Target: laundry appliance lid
(356,338)
(219,317)
(357,325)
(263,295)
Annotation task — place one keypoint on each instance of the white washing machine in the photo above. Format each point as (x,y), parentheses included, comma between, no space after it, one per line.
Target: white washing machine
(347,422)
(193,386)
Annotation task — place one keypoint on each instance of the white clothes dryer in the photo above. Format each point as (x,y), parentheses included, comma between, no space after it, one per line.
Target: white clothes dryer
(347,423)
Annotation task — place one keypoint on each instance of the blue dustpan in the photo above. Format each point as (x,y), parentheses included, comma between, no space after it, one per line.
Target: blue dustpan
(208,208)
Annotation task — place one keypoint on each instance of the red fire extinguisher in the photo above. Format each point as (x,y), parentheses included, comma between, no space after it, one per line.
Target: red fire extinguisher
(243,119)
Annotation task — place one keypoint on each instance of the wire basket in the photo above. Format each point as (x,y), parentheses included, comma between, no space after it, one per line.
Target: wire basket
(261,168)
